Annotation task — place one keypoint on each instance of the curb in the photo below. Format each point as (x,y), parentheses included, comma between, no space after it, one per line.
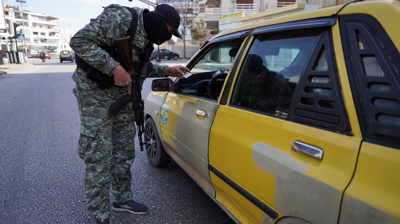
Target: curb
(14,67)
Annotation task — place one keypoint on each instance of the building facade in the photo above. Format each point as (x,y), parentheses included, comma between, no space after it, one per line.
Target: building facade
(31,32)
(218,14)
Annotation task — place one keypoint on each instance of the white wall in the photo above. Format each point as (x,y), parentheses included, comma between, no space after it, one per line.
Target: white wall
(2,19)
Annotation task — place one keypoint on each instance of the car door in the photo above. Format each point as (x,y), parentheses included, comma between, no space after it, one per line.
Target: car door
(373,67)
(188,113)
(281,145)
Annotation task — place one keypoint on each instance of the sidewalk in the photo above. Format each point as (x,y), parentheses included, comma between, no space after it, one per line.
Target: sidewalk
(5,68)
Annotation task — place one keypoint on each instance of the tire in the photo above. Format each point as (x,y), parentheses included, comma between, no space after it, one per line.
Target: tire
(156,154)
(61,61)
(176,57)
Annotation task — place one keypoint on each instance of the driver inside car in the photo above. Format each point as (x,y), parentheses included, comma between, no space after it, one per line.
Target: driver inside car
(261,88)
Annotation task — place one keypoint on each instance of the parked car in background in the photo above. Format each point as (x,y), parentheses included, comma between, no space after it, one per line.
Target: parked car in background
(47,56)
(164,54)
(294,119)
(66,55)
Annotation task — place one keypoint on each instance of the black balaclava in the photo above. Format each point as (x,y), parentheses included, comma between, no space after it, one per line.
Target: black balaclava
(156,29)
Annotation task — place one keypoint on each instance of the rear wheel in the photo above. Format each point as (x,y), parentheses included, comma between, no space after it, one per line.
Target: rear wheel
(156,154)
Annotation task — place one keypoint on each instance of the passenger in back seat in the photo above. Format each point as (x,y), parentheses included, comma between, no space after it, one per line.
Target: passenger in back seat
(262,89)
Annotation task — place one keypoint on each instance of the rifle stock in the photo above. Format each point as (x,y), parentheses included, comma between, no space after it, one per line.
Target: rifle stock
(124,48)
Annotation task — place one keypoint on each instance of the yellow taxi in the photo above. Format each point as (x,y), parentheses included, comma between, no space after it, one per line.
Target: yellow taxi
(66,55)
(294,119)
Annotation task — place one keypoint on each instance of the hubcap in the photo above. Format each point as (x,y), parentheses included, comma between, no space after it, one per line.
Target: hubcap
(151,143)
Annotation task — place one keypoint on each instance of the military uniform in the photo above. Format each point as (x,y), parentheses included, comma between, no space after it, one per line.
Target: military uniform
(106,144)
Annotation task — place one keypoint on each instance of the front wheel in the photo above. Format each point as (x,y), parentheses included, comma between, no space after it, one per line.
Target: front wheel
(156,154)
(176,57)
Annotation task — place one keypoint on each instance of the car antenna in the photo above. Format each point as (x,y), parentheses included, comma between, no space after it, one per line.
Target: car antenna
(335,15)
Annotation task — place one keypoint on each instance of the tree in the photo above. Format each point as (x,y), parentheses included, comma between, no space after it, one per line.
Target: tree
(198,31)
(185,9)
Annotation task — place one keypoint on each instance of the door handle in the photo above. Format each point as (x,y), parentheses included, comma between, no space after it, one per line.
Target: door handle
(201,113)
(308,149)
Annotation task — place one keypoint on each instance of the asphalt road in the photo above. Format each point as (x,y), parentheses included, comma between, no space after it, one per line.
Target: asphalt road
(41,175)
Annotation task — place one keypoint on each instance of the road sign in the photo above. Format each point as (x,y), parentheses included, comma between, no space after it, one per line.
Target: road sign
(21,36)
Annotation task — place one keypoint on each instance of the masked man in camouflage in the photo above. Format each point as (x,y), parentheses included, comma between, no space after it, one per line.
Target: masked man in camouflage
(106,144)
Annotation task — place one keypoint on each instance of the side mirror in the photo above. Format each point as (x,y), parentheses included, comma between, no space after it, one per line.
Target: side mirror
(159,85)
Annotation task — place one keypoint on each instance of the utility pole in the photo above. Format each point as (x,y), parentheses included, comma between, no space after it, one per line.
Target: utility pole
(22,18)
(16,36)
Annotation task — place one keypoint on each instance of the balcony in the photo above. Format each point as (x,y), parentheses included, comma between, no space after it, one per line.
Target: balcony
(274,4)
(210,14)
(246,8)
(318,3)
(212,11)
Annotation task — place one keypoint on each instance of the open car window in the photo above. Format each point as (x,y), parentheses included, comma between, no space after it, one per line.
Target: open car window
(210,70)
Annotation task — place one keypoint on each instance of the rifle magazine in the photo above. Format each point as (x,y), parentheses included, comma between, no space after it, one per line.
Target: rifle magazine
(118,105)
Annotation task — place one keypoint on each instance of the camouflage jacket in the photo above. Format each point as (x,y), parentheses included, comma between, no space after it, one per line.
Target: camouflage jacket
(113,22)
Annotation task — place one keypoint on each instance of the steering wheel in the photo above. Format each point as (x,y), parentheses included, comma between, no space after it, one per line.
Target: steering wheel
(211,91)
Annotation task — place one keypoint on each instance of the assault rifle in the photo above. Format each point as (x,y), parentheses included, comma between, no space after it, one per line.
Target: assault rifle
(124,48)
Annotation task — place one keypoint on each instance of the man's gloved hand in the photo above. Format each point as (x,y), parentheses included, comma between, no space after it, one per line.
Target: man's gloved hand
(176,71)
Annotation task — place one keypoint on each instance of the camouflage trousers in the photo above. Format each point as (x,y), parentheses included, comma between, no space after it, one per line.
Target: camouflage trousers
(106,145)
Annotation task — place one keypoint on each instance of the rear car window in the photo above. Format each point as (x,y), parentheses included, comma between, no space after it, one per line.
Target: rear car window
(375,78)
